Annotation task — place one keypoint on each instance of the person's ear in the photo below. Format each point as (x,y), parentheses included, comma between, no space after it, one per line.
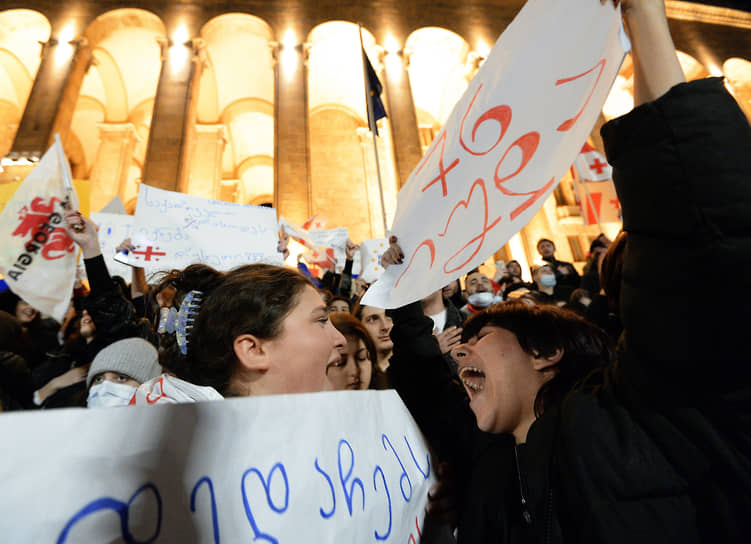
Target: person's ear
(251,352)
(549,362)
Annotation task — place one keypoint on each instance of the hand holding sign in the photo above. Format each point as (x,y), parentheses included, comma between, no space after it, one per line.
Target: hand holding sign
(83,232)
(513,133)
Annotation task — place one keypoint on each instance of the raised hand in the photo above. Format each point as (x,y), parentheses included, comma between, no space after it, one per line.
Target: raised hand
(449,338)
(393,255)
(83,232)
(350,249)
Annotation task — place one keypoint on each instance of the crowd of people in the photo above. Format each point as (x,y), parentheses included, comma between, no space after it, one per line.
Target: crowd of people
(607,406)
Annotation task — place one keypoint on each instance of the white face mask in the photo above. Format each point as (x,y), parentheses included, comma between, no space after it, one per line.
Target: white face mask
(483,300)
(110,393)
(547,280)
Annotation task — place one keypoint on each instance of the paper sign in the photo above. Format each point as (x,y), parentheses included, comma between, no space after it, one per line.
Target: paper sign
(189,229)
(322,467)
(510,138)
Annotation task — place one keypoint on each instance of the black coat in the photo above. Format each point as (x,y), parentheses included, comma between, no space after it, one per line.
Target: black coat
(661,452)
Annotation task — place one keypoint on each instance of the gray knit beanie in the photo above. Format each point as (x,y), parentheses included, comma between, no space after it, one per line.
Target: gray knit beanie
(134,357)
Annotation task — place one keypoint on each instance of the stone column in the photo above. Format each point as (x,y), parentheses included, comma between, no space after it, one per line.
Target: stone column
(53,96)
(109,173)
(205,175)
(402,116)
(292,191)
(168,151)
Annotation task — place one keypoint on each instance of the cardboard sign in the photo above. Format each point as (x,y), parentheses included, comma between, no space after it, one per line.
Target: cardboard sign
(185,229)
(510,138)
(322,467)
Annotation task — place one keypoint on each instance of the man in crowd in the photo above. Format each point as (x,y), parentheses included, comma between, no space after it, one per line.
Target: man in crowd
(566,276)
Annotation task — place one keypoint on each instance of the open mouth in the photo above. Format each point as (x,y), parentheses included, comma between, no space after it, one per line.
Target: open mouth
(473,379)
(354,386)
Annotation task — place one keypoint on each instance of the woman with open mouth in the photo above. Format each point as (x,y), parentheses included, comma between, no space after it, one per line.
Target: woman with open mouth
(549,440)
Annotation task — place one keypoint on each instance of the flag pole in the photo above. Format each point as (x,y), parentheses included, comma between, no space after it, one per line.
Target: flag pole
(67,178)
(371,118)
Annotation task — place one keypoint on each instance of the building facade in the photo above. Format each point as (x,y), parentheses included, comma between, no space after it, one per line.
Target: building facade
(262,102)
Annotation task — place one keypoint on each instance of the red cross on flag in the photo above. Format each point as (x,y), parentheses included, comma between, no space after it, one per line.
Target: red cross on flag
(592,164)
(317,222)
(146,254)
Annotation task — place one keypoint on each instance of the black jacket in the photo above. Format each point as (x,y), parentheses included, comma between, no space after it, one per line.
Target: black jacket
(661,451)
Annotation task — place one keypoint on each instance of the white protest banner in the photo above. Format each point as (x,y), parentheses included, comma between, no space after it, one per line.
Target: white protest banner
(321,467)
(511,136)
(370,255)
(189,229)
(37,257)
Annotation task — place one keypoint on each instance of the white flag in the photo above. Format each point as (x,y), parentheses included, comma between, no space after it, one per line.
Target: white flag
(592,165)
(37,257)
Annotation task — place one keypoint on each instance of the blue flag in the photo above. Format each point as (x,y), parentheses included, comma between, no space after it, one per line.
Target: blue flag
(374,88)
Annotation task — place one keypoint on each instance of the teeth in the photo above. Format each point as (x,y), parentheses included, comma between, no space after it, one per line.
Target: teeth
(474,373)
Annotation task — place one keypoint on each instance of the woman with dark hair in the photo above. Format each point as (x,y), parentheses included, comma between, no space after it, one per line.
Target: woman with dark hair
(256,330)
(358,357)
(656,446)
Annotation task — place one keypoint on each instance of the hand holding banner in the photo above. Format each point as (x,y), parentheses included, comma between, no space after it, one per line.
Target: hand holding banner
(511,136)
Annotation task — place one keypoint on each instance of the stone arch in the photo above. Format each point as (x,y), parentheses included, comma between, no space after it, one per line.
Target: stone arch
(342,160)
(738,79)
(22,31)
(235,111)
(335,66)
(440,64)
(122,80)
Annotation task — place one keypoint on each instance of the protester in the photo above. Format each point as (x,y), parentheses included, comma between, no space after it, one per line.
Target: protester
(545,282)
(447,321)
(42,330)
(356,369)
(379,326)
(453,292)
(106,316)
(339,304)
(480,293)
(255,330)
(17,354)
(567,278)
(654,447)
(118,370)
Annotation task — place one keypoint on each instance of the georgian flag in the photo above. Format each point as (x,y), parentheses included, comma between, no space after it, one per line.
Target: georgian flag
(592,165)
(37,257)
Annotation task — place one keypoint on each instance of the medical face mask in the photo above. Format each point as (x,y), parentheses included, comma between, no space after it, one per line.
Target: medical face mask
(547,280)
(110,394)
(483,300)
